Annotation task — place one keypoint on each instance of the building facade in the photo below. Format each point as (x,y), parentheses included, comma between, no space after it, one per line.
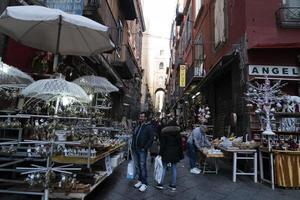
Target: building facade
(234,43)
(121,66)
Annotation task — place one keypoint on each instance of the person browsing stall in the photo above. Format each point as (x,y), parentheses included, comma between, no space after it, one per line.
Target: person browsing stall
(196,140)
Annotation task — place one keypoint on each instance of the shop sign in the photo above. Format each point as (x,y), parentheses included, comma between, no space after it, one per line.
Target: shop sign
(182,76)
(69,6)
(272,70)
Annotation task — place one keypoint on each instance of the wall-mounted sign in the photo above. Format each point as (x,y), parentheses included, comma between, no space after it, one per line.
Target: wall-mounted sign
(272,70)
(182,76)
(69,6)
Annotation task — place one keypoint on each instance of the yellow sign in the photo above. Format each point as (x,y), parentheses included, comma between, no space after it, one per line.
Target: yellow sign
(182,76)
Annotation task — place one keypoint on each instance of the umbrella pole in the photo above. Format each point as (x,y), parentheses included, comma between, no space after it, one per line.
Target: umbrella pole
(55,62)
(56,106)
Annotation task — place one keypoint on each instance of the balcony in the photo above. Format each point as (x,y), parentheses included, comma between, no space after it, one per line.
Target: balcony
(193,76)
(288,17)
(90,7)
(179,19)
(128,9)
(125,65)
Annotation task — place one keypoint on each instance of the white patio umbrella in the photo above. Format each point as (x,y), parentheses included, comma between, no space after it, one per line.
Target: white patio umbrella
(96,84)
(55,31)
(47,89)
(11,77)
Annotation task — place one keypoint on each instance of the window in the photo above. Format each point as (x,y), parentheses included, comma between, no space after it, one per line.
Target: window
(293,10)
(198,6)
(161,81)
(220,35)
(199,56)
(187,32)
(189,24)
(161,52)
(291,3)
(161,65)
(120,34)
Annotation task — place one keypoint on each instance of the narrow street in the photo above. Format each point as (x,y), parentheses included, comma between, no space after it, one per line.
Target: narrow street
(86,84)
(190,187)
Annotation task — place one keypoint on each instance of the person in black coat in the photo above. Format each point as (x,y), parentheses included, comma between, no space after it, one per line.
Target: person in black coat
(170,151)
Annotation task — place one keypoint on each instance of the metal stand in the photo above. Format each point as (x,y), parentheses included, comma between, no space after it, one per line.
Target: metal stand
(270,157)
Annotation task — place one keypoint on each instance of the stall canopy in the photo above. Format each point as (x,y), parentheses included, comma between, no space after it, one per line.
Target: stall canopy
(12,77)
(96,84)
(49,89)
(55,31)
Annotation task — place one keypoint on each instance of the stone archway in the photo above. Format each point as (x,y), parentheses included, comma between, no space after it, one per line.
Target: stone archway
(159,99)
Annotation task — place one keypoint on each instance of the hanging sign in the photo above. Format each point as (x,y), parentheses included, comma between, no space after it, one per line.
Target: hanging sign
(69,6)
(272,70)
(182,77)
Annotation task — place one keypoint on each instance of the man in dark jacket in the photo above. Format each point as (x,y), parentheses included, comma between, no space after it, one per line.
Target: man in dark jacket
(141,141)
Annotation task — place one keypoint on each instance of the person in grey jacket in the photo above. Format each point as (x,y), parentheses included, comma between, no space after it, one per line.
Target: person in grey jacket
(196,141)
(142,140)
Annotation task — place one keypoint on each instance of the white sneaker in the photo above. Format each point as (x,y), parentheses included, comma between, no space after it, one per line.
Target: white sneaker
(195,171)
(138,184)
(143,188)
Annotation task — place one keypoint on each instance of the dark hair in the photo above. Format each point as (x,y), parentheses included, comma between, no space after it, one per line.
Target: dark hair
(172,122)
(145,113)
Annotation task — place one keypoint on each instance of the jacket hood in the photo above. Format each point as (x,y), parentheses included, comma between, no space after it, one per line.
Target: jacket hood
(171,129)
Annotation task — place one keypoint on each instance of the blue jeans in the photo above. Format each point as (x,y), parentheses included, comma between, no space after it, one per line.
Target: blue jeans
(192,153)
(140,158)
(174,174)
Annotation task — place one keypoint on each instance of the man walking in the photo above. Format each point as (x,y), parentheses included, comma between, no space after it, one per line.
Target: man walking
(141,141)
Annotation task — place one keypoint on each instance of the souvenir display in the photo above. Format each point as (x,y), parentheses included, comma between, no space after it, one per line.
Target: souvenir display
(59,125)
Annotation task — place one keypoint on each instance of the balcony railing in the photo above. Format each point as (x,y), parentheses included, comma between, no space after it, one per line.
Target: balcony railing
(90,7)
(125,64)
(194,73)
(109,20)
(288,17)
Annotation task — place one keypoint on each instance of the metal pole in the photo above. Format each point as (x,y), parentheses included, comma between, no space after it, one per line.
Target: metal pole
(89,152)
(46,194)
(55,62)
(56,105)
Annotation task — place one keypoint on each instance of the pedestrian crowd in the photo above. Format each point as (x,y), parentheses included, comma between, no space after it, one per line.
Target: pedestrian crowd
(163,140)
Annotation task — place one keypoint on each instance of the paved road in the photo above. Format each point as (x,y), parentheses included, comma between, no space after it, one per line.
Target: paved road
(191,187)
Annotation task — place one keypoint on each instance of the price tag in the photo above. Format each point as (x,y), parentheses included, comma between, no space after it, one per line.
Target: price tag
(108,165)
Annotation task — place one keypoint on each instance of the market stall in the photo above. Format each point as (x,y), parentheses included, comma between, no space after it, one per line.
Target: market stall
(277,131)
(55,144)
(67,151)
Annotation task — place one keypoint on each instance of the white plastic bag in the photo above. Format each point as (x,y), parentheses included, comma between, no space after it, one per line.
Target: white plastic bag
(158,169)
(130,170)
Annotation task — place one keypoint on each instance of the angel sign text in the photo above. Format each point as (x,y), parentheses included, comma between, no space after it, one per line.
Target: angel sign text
(271,70)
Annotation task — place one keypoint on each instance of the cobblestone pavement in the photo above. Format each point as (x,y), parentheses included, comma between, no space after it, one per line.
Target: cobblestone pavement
(191,187)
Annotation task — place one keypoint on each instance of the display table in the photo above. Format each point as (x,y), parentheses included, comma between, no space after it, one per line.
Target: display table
(214,156)
(287,168)
(239,154)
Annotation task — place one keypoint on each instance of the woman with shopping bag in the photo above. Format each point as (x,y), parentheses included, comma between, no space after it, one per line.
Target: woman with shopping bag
(170,151)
